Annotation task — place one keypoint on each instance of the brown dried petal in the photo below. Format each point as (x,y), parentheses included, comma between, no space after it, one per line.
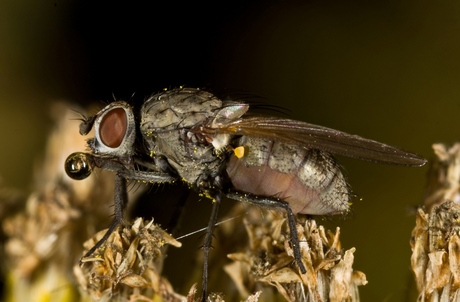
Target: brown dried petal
(283,260)
(153,278)
(309,278)
(118,259)
(108,256)
(438,273)
(327,264)
(316,245)
(454,258)
(419,258)
(134,281)
(358,278)
(142,298)
(303,244)
(322,234)
(284,275)
(192,293)
(116,241)
(341,277)
(169,239)
(251,235)
(240,257)
(102,268)
(336,245)
(323,280)
(129,257)
(441,152)
(266,243)
(137,225)
(276,229)
(254,297)
(237,271)
(283,291)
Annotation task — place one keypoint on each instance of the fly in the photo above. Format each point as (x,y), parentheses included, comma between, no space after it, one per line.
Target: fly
(220,149)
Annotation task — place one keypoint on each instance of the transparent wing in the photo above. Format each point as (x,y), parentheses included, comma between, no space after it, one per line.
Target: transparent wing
(317,137)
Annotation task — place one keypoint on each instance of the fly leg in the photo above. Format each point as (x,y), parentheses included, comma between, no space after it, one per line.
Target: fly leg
(271,202)
(121,197)
(208,242)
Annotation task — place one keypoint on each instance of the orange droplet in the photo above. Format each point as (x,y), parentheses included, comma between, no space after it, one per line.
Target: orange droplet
(239,152)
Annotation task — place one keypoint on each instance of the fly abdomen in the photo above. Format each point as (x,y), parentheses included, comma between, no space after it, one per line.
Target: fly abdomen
(309,180)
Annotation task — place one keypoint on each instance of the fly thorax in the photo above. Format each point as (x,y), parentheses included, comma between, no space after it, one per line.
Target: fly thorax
(176,109)
(171,123)
(188,155)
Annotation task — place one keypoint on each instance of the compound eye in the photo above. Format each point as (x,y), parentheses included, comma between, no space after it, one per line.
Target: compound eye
(78,166)
(113,127)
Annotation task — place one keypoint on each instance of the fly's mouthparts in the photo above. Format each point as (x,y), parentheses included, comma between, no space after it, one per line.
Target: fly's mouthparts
(78,165)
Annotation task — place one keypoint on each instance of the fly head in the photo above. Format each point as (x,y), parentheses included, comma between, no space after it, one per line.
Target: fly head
(115,133)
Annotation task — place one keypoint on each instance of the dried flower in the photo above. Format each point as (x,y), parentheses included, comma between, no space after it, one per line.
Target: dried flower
(127,264)
(436,253)
(444,176)
(270,261)
(435,240)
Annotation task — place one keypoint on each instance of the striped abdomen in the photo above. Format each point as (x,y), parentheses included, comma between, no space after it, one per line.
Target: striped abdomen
(309,180)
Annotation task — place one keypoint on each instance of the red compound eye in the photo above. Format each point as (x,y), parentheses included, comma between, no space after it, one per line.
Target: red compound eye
(113,127)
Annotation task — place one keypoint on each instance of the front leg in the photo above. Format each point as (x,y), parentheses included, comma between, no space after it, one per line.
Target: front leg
(121,197)
(272,202)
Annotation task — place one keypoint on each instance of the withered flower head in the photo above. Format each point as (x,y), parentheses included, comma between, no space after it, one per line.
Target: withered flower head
(435,240)
(270,261)
(128,264)
(444,176)
(436,252)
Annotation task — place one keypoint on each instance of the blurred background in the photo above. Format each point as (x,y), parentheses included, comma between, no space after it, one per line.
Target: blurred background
(388,71)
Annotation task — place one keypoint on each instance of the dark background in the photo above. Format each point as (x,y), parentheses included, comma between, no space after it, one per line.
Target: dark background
(387,71)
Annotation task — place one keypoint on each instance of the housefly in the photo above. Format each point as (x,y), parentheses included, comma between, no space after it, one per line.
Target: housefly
(220,149)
